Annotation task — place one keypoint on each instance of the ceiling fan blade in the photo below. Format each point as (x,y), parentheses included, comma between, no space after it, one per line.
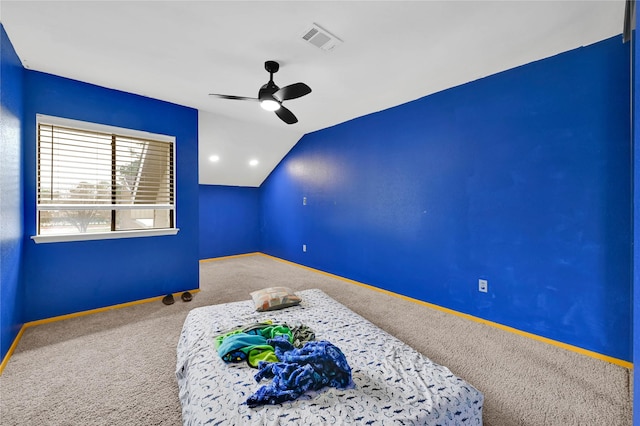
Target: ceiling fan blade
(292,91)
(286,115)
(232,97)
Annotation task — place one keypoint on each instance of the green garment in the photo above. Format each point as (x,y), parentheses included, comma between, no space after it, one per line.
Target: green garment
(250,343)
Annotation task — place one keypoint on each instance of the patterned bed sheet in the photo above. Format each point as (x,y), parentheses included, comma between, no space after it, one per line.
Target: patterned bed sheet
(393,383)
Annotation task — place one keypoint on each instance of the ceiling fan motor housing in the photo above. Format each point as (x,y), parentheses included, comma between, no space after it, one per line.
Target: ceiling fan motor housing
(267,90)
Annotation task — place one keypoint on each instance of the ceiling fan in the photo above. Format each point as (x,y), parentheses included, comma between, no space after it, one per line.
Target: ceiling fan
(271,96)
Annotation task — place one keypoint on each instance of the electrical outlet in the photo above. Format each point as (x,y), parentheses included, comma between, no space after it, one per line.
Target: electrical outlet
(304,248)
(304,201)
(483,286)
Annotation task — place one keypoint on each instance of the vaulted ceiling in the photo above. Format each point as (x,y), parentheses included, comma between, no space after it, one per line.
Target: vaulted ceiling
(392,52)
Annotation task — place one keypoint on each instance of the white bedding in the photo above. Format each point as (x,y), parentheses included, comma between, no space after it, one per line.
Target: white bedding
(394,384)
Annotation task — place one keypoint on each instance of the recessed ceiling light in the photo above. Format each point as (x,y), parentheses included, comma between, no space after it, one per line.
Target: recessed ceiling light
(214,158)
(253,163)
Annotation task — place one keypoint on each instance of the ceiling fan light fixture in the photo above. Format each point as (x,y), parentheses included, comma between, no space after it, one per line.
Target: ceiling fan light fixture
(270,105)
(271,96)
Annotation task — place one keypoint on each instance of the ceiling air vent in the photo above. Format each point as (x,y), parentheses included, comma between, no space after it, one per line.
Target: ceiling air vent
(321,38)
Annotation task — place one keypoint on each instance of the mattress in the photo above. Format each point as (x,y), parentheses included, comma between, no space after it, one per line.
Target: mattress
(392,383)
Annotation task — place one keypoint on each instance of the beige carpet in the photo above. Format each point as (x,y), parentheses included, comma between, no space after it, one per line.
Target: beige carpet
(117,367)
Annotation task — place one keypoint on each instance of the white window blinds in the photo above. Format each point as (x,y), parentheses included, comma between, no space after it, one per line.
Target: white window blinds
(92,182)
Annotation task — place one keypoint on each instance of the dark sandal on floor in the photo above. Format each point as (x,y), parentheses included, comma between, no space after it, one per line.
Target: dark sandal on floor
(168,299)
(186,296)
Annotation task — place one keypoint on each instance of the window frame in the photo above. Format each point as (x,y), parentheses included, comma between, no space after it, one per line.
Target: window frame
(120,131)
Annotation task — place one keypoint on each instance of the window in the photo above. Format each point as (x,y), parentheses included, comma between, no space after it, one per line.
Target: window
(102,182)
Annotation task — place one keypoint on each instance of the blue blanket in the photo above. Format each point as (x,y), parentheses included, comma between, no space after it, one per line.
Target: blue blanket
(316,365)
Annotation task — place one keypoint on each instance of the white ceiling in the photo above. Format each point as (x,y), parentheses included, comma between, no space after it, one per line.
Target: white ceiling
(393,52)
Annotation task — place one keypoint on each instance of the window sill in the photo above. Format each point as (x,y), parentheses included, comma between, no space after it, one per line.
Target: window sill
(103,236)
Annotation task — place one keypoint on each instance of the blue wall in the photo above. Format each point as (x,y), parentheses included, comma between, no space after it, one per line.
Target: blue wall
(229,220)
(521,178)
(636,228)
(11,229)
(69,277)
